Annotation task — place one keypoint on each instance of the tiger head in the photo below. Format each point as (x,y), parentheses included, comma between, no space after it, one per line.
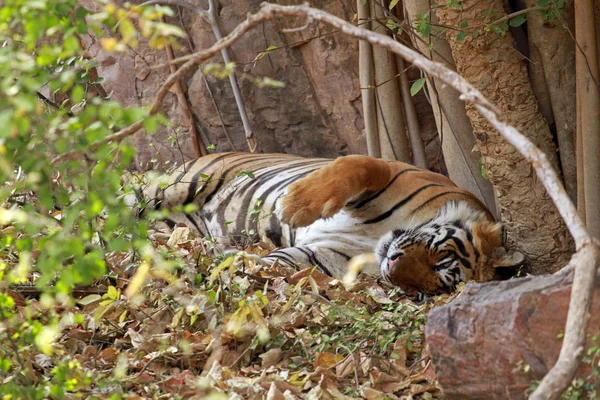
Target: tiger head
(457,246)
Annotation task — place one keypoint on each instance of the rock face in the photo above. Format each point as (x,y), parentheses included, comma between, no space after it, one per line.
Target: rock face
(318,113)
(481,342)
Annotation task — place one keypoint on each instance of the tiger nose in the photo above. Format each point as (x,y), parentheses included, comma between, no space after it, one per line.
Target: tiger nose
(393,262)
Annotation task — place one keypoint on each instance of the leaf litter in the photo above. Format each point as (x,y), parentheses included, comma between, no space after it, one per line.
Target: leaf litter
(229,327)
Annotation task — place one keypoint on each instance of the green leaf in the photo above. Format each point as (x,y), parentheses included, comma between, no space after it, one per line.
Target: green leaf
(518,20)
(228,261)
(464,24)
(45,339)
(393,3)
(77,94)
(391,24)
(417,86)
(150,124)
(461,36)
(92,298)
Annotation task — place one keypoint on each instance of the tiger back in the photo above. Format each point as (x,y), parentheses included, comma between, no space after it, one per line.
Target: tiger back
(428,234)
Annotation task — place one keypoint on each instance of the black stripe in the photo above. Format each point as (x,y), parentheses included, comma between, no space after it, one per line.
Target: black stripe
(286,257)
(192,190)
(157,203)
(347,257)
(449,234)
(222,206)
(193,221)
(273,220)
(262,179)
(377,194)
(224,174)
(312,258)
(460,245)
(408,198)
(465,261)
(274,234)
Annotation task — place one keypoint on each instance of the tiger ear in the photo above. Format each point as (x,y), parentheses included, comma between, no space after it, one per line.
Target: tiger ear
(501,264)
(507,259)
(487,236)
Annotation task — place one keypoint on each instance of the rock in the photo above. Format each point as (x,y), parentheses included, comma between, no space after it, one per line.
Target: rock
(318,113)
(496,339)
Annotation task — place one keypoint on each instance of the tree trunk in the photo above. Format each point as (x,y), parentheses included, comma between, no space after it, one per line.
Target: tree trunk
(454,127)
(588,107)
(393,139)
(555,47)
(492,64)
(419,158)
(367,82)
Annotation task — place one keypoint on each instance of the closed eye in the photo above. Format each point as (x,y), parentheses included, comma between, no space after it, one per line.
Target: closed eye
(396,256)
(443,264)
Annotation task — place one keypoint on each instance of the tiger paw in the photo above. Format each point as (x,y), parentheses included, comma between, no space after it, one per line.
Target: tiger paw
(323,193)
(310,199)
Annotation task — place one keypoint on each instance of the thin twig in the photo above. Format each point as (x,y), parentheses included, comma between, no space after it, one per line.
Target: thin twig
(212,12)
(356,383)
(516,14)
(324,300)
(218,110)
(188,116)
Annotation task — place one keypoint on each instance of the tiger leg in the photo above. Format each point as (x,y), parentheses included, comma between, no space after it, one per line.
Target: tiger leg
(328,261)
(324,192)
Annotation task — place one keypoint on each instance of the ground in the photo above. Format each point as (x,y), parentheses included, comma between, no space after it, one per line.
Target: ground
(227,327)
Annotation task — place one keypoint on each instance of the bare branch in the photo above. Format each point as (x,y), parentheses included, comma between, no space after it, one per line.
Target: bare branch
(584,261)
(517,13)
(188,116)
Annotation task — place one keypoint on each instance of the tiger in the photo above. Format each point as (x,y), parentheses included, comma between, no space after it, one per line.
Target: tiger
(428,235)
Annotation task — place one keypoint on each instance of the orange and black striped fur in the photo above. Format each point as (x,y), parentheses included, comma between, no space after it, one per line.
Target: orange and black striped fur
(428,234)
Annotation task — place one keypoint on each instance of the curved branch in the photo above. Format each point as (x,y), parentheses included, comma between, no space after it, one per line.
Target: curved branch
(584,261)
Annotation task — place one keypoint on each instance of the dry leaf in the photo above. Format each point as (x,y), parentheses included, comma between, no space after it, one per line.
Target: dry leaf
(109,354)
(270,358)
(326,359)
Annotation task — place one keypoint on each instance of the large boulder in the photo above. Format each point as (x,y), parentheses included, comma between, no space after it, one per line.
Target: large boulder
(496,339)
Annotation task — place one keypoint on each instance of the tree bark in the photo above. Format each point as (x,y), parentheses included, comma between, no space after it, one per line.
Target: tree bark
(367,82)
(492,64)
(555,47)
(419,158)
(454,127)
(588,107)
(393,139)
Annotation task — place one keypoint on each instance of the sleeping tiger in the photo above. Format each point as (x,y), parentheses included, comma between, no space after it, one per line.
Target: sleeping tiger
(428,234)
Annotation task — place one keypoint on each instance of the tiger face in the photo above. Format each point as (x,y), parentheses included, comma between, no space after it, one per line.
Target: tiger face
(436,256)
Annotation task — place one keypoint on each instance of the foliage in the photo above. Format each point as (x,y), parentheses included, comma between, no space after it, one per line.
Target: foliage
(60,222)
(582,387)
(159,331)
(227,326)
